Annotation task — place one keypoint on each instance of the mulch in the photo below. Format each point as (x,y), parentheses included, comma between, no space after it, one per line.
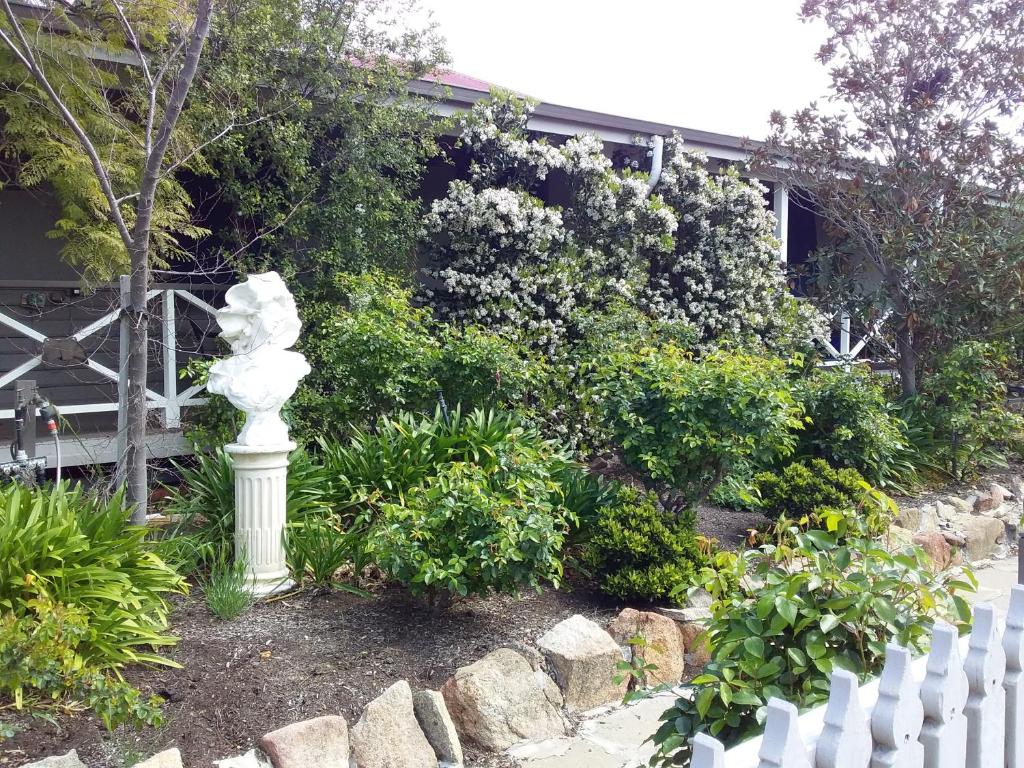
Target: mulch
(310,655)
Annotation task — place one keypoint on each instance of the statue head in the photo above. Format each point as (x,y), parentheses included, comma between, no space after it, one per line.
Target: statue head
(260,313)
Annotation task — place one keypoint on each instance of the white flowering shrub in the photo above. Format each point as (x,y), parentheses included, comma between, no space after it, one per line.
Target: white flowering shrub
(723,274)
(698,252)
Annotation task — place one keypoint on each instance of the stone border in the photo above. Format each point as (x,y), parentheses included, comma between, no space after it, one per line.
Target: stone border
(503,700)
(979,525)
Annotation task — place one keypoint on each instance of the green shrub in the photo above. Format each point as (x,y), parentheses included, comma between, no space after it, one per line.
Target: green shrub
(801,488)
(688,421)
(963,401)
(475,368)
(780,626)
(852,423)
(404,451)
(74,548)
(371,355)
(226,588)
(377,353)
(81,595)
(203,503)
(473,529)
(815,495)
(459,506)
(635,551)
(41,667)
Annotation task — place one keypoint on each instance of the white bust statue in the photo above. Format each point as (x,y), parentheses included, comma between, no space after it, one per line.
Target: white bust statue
(260,322)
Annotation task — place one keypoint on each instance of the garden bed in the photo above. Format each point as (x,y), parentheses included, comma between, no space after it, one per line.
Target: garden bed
(305,656)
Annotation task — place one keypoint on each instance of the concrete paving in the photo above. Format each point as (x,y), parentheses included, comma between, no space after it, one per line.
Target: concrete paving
(617,737)
(606,738)
(994,583)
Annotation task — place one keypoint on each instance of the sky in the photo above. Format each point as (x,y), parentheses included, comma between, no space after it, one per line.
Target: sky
(715,65)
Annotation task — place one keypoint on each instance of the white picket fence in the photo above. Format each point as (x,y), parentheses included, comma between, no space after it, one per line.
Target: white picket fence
(933,712)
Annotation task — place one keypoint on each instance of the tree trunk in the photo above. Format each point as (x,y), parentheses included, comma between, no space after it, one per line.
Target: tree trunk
(135,475)
(906,359)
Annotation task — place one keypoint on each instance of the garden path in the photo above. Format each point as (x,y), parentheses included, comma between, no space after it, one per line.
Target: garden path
(615,737)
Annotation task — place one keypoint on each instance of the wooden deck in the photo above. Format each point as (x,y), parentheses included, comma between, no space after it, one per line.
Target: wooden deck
(101,447)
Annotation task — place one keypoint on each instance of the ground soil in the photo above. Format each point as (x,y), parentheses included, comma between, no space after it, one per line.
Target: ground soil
(310,655)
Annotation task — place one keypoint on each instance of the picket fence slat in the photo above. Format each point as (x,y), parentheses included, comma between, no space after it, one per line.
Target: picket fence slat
(898,715)
(1013,647)
(961,707)
(782,746)
(943,696)
(845,741)
(986,704)
(707,752)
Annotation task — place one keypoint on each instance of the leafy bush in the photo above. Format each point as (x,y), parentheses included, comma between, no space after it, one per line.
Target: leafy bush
(204,502)
(782,621)
(688,421)
(377,353)
(635,551)
(964,402)
(81,595)
(74,548)
(40,666)
(852,423)
(370,355)
(472,529)
(457,507)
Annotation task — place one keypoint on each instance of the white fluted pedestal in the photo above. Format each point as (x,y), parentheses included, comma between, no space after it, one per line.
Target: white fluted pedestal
(261,476)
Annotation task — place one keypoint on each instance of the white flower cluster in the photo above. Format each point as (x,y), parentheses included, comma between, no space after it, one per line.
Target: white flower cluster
(699,250)
(723,274)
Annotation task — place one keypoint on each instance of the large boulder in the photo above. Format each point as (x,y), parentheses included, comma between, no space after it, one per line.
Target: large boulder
(584,659)
(936,547)
(982,535)
(169,758)
(696,642)
(318,743)
(662,643)
(388,734)
(251,759)
(500,700)
(438,726)
(70,760)
(897,539)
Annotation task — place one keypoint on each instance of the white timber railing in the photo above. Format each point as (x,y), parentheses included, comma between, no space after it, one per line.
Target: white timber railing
(849,350)
(169,402)
(933,712)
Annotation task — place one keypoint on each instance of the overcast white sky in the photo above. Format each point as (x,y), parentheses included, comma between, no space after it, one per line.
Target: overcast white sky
(717,65)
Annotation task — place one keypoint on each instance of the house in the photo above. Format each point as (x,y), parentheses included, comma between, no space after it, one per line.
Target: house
(66,338)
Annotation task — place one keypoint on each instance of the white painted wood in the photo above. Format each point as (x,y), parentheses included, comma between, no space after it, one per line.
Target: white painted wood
(103,322)
(986,703)
(780,204)
(1013,682)
(172,409)
(845,741)
(193,299)
(21,370)
(943,696)
(898,715)
(112,375)
(708,752)
(21,328)
(782,746)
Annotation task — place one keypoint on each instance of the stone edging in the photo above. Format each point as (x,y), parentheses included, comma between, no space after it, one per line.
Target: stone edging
(508,697)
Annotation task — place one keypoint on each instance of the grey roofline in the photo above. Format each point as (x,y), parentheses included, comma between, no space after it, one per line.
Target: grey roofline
(562,120)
